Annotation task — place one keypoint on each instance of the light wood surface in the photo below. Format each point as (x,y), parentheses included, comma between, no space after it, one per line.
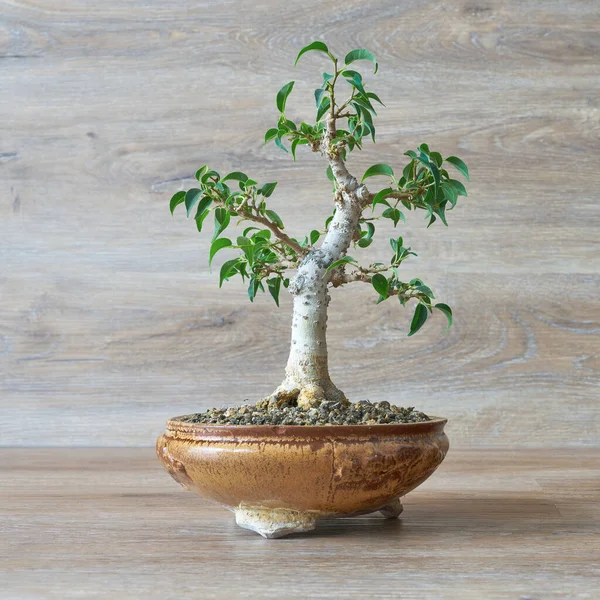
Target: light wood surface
(109,523)
(109,318)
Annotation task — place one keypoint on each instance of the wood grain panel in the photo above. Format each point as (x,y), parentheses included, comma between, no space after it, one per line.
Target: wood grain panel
(109,523)
(110,320)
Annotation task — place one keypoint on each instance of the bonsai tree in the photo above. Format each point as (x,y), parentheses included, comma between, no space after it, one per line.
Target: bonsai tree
(271,259)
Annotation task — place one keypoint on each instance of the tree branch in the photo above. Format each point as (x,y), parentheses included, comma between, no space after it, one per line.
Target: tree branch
(245,211)
(362,274)
(279,234)
(340,278)
(400,195)
(348,184)
(276,268)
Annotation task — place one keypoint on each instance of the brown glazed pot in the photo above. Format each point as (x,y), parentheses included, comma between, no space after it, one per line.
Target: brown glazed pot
(280,479)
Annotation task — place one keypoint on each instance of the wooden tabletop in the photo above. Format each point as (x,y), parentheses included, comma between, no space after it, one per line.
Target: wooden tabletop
(109,312)
(109,523)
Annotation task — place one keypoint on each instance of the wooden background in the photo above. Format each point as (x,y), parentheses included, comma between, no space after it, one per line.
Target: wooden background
(110,320)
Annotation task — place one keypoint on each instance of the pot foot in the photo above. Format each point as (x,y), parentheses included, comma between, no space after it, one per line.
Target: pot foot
(392,510)
(274,522)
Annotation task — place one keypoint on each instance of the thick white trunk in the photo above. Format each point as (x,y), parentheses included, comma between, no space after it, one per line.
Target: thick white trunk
(307,374)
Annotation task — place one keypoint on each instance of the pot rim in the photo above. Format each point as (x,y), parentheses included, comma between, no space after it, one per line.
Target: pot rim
(202,431)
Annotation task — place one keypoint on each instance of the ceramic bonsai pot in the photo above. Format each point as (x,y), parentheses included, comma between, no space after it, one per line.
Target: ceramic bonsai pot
(281,479)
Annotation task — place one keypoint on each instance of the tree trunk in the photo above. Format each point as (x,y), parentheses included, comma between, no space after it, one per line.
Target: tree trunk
(307,374)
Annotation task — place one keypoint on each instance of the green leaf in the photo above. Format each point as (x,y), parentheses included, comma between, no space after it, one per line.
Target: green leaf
(202,212)
(223,188)
(209,175)
(279,144)
(247,247)
(227,269)
(371,128)
(418,320)
(407,172)
(306,128)
(361,54)
(319,95)
(318,46)
(191,197)
(275,218)
(274,285)
(216,246)
(460,165)
(295,142)
(325,105)
(379,169)
(253,288)
(204,203)
(282,95)
(262,233)
(396,243)
(271,133)
(236,175)
(437,157)
(449,193)
(394,214)
(429,199)
(329,174)
(423,289)
(200,219)
(222,219)
(375,97)
(381,285)
(458,186)
(298,142)
(290,125)
(314,237)
(440,211)
(176,200)
(363,111)
(364,103)
(341,261)
(433,168)
(200,172)
(355,80)
(349,74)
(447,311)
(368,235)
(267,189)
(381,196)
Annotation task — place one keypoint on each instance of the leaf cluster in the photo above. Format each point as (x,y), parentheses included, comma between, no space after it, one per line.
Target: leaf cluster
(235,198)
(425,184)
(358,109)
(265,252)
(392,285)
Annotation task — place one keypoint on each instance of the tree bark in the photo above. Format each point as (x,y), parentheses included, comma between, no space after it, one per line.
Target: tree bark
(307,374)
(307,379)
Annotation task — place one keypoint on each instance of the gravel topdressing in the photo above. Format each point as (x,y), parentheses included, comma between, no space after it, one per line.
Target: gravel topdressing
(327,413)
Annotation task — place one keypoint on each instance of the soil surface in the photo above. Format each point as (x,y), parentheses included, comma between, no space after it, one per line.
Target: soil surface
(327,413)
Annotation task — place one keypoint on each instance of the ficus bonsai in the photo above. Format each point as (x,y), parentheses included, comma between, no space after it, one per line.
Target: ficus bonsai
(269,258)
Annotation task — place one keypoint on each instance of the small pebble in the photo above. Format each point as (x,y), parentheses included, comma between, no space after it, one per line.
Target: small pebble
(328,413)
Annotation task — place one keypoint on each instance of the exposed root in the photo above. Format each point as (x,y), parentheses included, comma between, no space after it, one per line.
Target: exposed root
(311,396)
(281,396)
(308,396)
